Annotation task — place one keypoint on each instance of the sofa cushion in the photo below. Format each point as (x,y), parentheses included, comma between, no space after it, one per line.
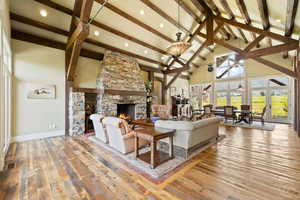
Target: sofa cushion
(172,124)
(186,125)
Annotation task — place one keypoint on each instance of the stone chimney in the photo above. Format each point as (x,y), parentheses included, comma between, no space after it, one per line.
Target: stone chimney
(121,82)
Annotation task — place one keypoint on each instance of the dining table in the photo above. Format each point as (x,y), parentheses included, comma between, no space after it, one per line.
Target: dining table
(244,114)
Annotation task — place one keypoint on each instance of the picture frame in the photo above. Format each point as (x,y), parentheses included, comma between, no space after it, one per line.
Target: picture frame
(40,91)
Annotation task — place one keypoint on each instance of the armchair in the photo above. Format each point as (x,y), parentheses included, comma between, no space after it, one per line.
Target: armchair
(99,128)
(120,135)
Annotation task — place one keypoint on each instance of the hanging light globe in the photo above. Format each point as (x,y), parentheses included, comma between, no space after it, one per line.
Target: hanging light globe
(179,47)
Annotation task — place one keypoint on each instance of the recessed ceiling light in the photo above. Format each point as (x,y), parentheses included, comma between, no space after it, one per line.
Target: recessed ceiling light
(278,20)
(142,12)
(96,33)
(163,57)
(126,44)
(145,51)
(43,13)
(161,25)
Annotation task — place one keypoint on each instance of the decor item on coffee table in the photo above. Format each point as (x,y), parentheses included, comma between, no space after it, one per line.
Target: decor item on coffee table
(154,157)
(190,135)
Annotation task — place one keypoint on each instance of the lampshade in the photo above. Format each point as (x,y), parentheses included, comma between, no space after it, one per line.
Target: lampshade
(178,48)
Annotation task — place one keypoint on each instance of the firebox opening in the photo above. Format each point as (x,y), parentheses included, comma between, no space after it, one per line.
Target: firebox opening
(126,109)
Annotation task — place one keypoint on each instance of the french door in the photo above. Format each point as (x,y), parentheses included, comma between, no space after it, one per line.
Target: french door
(274,93)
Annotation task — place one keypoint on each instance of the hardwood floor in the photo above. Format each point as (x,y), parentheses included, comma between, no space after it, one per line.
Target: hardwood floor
(247,165)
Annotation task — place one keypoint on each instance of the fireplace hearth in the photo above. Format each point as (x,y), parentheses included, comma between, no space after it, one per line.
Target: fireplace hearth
(126,110)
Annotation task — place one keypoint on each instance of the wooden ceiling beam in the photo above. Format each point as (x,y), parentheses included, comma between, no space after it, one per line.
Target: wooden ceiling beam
(77,34)
(264,14)
(269,50)
(270,64)
(213,6)
(291,12)
(230,13)
(135,20)
(243,10)
(81,32)
(90,41)
(104,27)
(255,30)
(209,6)
(198,5)
(26,37)
(231,31)
(163,14)
(188,10)
(254,43)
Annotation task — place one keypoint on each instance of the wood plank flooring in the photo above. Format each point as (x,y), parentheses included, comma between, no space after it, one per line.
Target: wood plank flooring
(247,165)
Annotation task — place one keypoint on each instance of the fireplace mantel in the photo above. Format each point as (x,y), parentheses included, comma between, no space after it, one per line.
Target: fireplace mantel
(108,91)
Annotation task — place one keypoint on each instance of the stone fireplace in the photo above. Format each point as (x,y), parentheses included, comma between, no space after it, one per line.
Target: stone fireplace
(120,89)
(126,109)
(122,85)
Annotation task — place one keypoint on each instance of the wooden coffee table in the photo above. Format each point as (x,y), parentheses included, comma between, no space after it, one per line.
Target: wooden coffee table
(154,157)
(143,122)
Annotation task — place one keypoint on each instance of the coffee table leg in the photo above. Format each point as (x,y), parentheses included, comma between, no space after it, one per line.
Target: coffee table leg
(171,150)
(153,150)
(136,148)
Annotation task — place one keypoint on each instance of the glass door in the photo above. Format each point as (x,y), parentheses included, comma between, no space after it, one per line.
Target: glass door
(279,105)
(273,93)
(258,100)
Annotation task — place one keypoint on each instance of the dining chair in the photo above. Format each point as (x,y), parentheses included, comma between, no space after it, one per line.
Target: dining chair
(246,107)
(260,116)
(207,111)
(229,113)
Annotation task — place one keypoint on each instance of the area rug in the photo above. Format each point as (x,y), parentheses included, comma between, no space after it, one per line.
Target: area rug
(161,172)
(254,125)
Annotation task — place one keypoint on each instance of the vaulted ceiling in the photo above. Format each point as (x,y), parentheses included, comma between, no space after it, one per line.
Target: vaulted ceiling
(144,28)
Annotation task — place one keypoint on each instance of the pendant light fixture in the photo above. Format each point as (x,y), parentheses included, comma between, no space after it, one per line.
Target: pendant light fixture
(179,47)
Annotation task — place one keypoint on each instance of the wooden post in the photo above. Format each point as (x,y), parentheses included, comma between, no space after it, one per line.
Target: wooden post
(164,89)
(297,102)
(68,85)
(151,78)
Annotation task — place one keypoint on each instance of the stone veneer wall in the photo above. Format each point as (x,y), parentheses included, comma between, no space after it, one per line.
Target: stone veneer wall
(120,72)
(77,113)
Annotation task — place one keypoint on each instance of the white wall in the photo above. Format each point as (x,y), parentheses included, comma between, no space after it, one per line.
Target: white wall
(38,64)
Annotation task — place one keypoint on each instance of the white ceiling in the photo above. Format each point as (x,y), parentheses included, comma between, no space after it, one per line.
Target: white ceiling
(31,9)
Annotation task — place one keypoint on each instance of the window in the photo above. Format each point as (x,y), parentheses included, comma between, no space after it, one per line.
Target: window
(5,91)
(201,95)
(228,67)
(230,93)
(272,93)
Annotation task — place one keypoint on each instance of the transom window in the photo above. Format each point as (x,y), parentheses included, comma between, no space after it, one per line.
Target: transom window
(227,66)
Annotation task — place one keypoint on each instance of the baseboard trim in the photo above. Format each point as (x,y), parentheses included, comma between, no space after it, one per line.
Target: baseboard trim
(37,136)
